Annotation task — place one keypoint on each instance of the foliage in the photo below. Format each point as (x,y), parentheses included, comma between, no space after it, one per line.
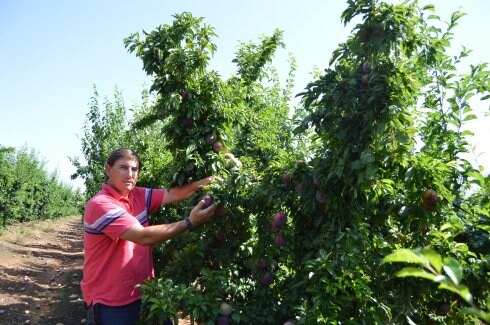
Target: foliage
(447,272)
(104,131)
(28,192)
(369,165)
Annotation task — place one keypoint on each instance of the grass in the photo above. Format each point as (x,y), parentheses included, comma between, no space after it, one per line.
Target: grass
(15,234)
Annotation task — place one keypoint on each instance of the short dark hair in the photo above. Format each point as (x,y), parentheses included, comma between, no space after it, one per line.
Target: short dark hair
(123,152)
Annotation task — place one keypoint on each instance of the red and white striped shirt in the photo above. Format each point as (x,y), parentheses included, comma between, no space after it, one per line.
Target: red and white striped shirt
(114,266)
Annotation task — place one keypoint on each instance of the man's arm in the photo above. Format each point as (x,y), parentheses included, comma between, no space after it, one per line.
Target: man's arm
(160,233)
(183,192)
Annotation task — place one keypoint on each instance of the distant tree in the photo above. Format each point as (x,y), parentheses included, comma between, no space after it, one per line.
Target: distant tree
(105,129)
(28,192)
(7,187)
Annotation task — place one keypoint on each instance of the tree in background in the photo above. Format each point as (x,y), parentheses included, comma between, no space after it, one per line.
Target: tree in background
(28,192)
(104,130)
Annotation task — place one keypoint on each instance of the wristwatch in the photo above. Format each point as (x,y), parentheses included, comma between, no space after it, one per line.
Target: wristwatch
(189,224)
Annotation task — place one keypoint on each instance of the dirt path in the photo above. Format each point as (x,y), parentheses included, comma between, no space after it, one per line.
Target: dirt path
(40,271)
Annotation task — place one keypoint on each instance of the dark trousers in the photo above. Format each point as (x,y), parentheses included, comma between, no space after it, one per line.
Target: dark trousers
(100,314)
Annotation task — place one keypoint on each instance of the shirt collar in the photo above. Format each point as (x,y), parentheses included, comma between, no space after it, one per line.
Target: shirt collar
(115,194)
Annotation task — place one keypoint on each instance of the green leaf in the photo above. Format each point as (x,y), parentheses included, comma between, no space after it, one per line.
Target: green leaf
(189,150)
(466,133)
(404,256)
(414,272)
(461,247)
(410,321)
(323,254)
(453,269)
(460,290)
(477,313)
(484,227)
(236,318)
(428,7)
(356,164)
(367,158)
(456,16)
(434,258)
(447,226)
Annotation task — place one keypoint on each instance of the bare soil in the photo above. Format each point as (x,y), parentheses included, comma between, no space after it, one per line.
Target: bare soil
(40,272)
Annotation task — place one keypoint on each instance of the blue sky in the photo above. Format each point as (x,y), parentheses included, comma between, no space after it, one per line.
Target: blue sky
(53,52)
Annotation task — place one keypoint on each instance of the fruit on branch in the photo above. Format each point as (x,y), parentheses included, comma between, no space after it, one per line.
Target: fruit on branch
(443,309)
(232,161)
(280,241)
(208,200)
(279,219)
(430,199)
(188,123)
(365,79)
(319,197)
(217,146)
(286,178)
(223,320)
(225,309)
(185,96)
(366,67)
(267,279)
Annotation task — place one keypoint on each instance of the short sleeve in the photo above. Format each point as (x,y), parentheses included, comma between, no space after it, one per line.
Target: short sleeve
(103,215)
(156,199)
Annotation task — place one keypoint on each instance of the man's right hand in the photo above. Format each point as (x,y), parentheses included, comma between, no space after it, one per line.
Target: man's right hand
(199,216)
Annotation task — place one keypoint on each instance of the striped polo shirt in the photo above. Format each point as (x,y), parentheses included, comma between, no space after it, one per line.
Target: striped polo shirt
(114,266)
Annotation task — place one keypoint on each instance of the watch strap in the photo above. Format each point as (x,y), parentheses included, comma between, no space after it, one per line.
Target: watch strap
(189,224)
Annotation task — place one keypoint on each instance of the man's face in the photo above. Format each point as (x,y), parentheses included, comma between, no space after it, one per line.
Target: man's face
(123,175)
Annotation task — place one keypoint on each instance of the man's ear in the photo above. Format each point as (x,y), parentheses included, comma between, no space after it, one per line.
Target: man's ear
(107,169)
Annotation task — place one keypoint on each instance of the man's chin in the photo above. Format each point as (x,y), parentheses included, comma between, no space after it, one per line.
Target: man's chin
(127,187)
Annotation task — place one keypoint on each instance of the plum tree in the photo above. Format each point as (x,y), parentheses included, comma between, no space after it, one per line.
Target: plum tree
(352,148)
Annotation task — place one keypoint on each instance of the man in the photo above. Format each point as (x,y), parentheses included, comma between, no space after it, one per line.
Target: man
(118,238)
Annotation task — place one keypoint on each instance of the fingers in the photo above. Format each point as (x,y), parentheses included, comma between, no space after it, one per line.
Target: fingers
(217,178)
(208,180)
(200,215)
(210,209)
